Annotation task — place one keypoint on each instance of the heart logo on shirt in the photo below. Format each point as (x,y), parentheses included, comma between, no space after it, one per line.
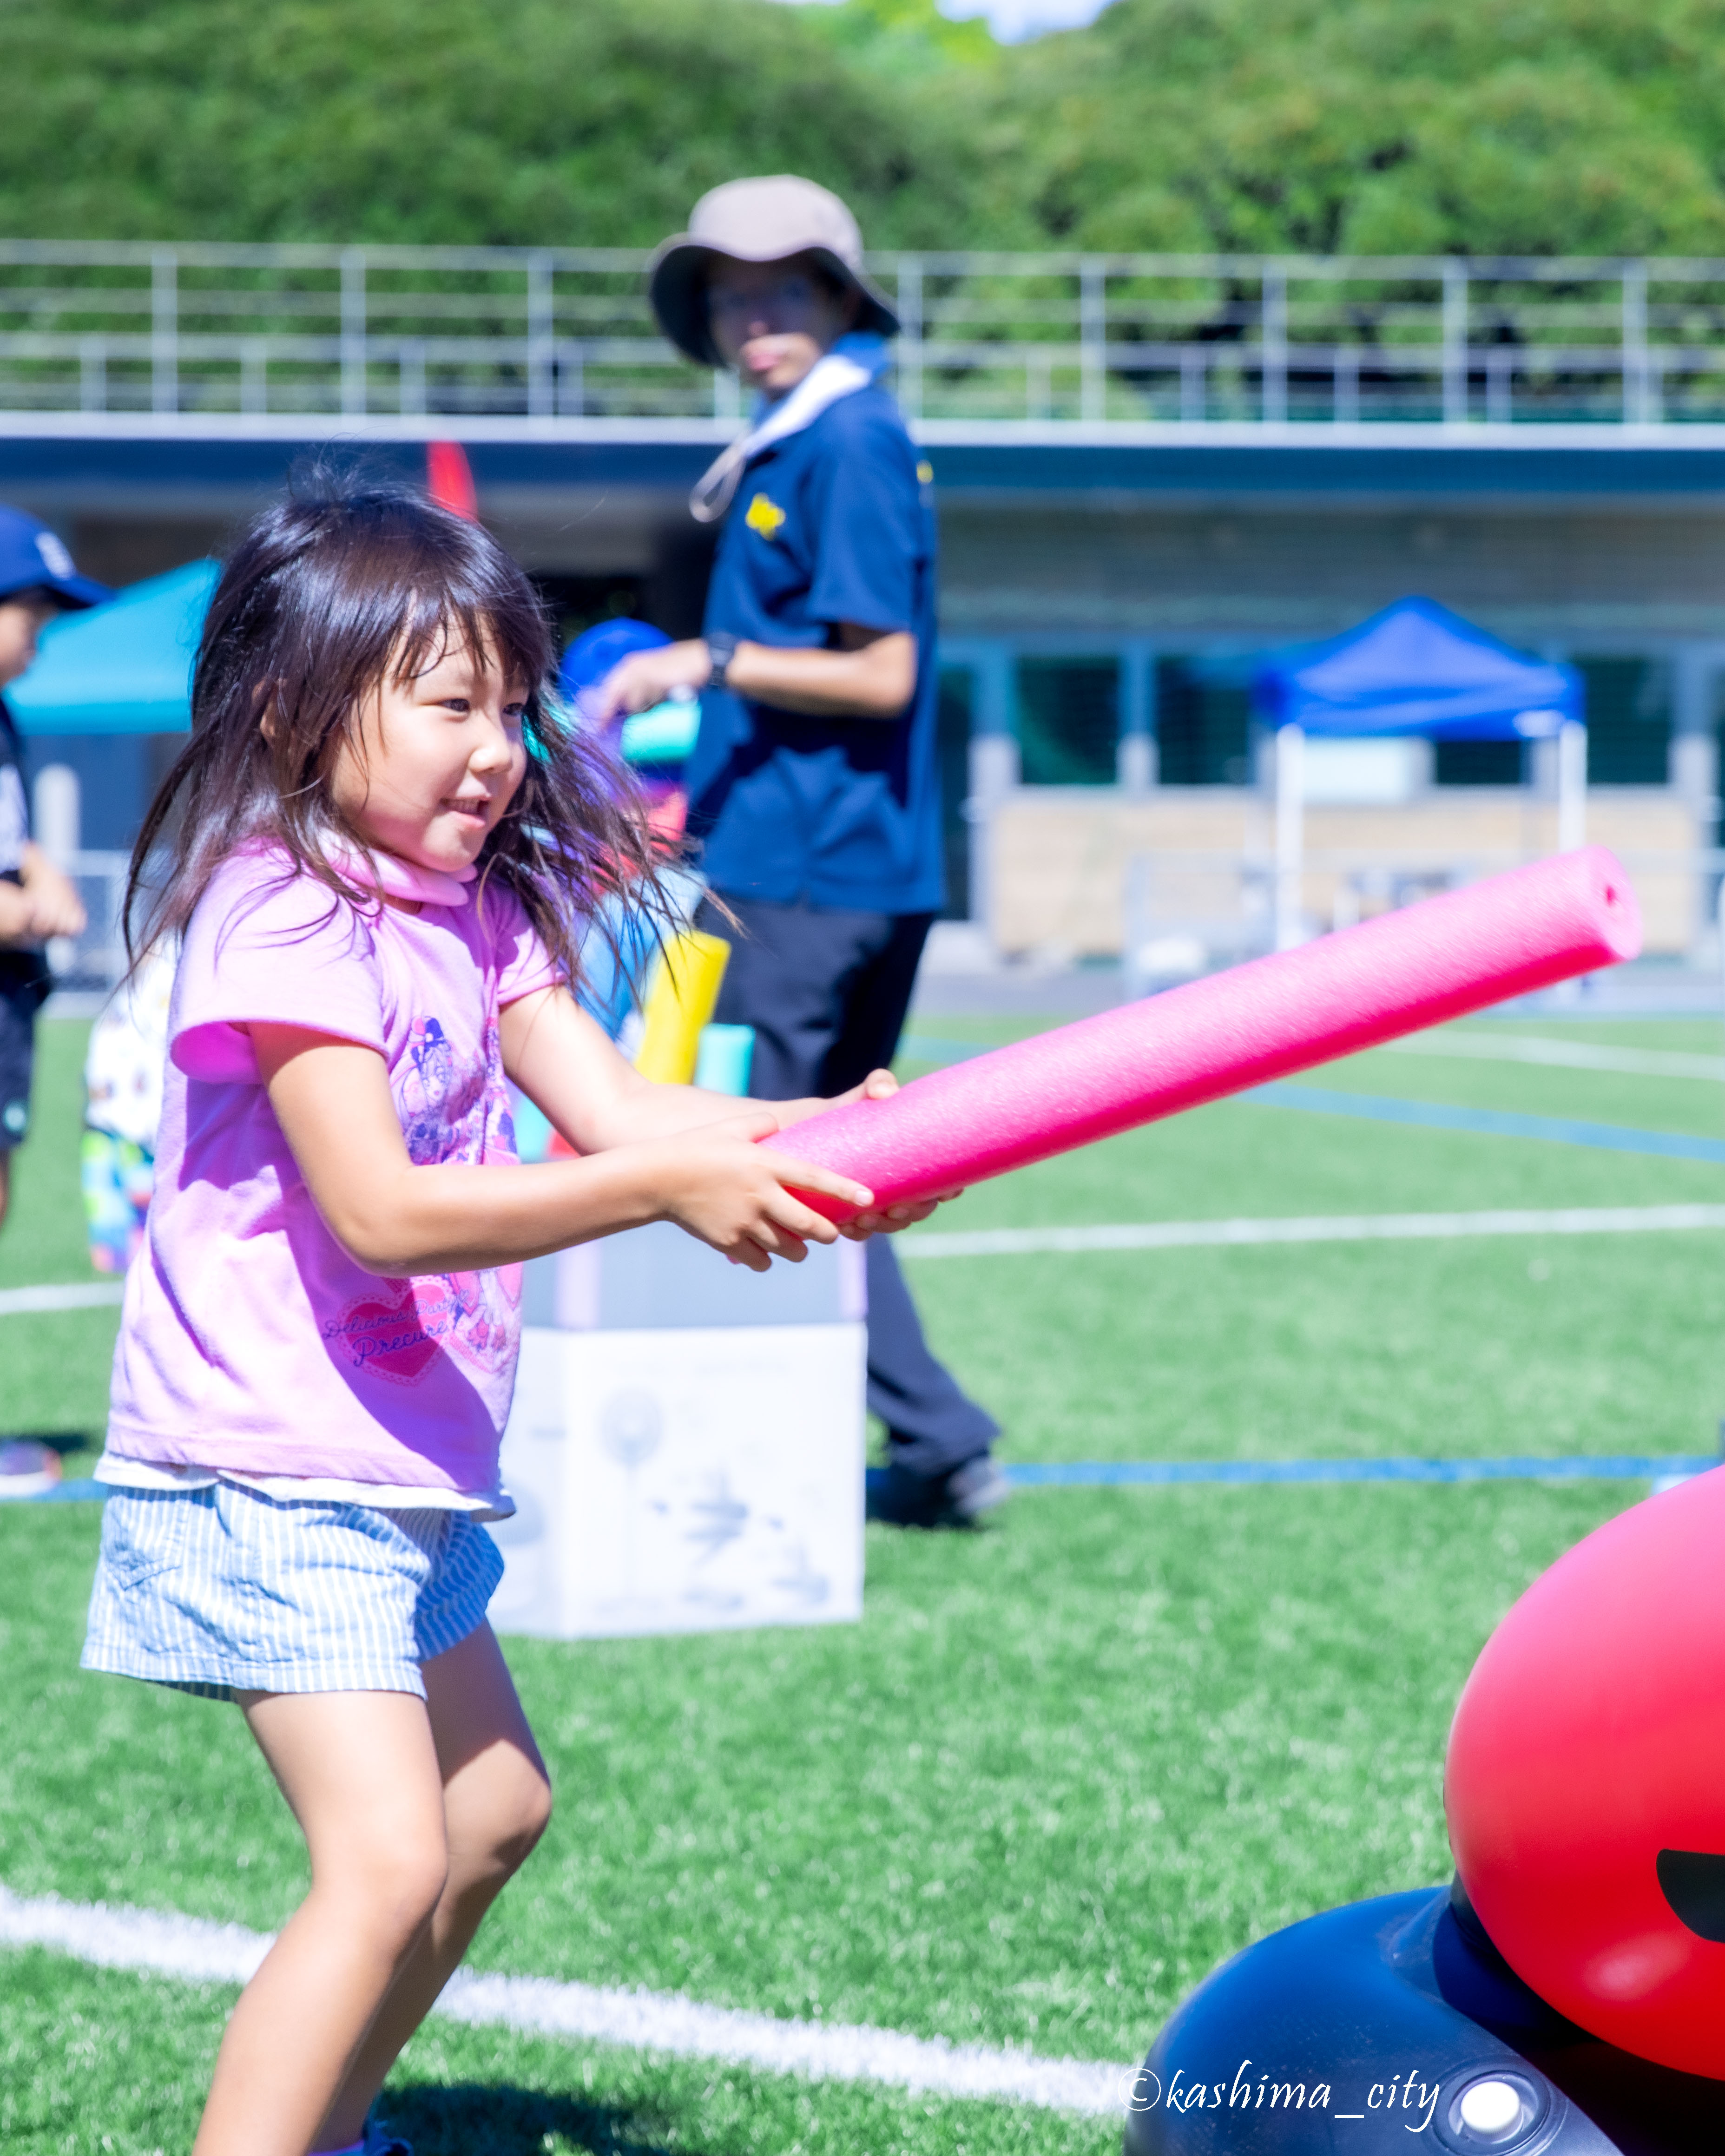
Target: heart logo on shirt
(389,1338)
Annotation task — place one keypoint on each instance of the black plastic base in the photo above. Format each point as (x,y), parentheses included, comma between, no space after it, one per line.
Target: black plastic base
(1364,2029)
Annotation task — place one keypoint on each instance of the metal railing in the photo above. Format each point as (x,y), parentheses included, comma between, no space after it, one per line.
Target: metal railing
(549,334)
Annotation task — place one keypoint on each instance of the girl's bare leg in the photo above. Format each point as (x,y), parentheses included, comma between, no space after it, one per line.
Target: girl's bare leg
(497,1801)
(361,1771)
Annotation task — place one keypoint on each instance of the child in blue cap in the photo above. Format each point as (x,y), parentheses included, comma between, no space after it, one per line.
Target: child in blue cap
(38,580)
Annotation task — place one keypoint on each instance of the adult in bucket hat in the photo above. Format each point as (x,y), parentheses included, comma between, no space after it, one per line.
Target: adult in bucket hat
(814,784)
(38,580)
(767,220)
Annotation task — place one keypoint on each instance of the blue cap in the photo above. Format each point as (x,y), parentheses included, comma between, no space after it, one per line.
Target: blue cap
(33,558)
(593,654)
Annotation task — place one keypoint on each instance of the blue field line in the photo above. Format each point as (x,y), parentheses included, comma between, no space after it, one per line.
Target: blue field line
(1492,1122)
(1097,1474)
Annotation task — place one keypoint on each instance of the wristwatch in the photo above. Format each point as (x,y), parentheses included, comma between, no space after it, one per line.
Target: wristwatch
(722,650)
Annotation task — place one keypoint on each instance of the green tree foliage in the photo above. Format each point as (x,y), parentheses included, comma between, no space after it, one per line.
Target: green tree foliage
(1483,126)
(1374,126)
(910,40)
(582,122)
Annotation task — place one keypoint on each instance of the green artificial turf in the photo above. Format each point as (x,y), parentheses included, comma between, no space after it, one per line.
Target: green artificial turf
(1061,1769)
(1541,1345)
(53,1367)
(1057,1774)
(96,2064)
(44,1238)
(53,1379)
(1544,1347)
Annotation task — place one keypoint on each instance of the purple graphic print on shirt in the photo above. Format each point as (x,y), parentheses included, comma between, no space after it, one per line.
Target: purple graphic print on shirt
(449,1112)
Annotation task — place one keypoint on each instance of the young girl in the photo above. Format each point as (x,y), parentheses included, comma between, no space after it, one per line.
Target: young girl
(383,846)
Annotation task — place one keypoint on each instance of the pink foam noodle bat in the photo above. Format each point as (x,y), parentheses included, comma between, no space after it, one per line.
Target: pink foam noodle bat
(1530,928)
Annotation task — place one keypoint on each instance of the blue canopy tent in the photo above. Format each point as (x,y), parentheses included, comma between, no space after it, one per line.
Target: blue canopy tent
(1415,669)
(122,668)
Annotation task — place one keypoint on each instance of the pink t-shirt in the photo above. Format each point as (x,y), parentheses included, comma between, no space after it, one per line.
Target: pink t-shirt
(251,1339)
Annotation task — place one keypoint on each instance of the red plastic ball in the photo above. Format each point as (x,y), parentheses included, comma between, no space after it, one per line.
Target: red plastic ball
(1585,1782)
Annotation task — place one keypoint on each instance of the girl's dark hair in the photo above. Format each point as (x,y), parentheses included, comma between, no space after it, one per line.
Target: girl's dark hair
(332,590)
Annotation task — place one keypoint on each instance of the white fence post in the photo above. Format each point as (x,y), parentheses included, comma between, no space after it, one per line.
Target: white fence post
(1290,834)
(1572,786)
(993,776)
(1454,341)
(909,335)
(1195,385)
(353,333)
(56,813)
(254,376)
(93,373)
(1636,385)
(1274,347)
(164,330)
(410,378)
(541,338)
(1093,340)
(1344,394)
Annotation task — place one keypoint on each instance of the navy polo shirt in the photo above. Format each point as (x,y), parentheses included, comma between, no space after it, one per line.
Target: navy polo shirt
(834,523)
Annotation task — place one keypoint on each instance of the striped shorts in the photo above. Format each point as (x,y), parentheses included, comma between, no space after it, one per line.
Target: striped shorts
(223,1590)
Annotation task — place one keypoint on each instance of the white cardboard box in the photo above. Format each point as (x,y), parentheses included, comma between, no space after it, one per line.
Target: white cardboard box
(677,1475)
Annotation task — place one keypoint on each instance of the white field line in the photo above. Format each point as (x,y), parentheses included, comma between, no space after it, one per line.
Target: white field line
(1563,1055)
(196,1951)
(92,1295)
(1343,1227)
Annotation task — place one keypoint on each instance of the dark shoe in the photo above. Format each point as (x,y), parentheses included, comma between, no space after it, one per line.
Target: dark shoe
(959,1498)
(977,1489)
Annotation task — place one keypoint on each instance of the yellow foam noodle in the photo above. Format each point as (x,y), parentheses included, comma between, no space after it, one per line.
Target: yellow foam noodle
(681,993)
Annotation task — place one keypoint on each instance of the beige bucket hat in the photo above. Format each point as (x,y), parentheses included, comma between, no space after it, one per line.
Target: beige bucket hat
(764,220)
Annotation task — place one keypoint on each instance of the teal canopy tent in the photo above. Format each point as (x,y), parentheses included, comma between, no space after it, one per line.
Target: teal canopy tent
(123,668)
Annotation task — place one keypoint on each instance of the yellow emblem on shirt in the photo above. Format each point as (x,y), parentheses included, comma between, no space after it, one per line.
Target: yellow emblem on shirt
(925,472)
(764,516)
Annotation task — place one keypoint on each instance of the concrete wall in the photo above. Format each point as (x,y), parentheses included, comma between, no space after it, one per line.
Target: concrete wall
(1060,860)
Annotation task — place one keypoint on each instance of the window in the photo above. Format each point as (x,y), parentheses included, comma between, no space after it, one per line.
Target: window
(1629,720)
(1476,764)
(1069,721)
(1202,726)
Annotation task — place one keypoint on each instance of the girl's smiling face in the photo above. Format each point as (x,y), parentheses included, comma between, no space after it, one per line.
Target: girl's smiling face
(434,760)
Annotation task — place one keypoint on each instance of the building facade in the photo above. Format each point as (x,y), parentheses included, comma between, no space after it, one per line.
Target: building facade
(1148,473)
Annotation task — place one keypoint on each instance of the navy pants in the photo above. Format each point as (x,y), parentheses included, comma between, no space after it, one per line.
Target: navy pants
(826,993)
